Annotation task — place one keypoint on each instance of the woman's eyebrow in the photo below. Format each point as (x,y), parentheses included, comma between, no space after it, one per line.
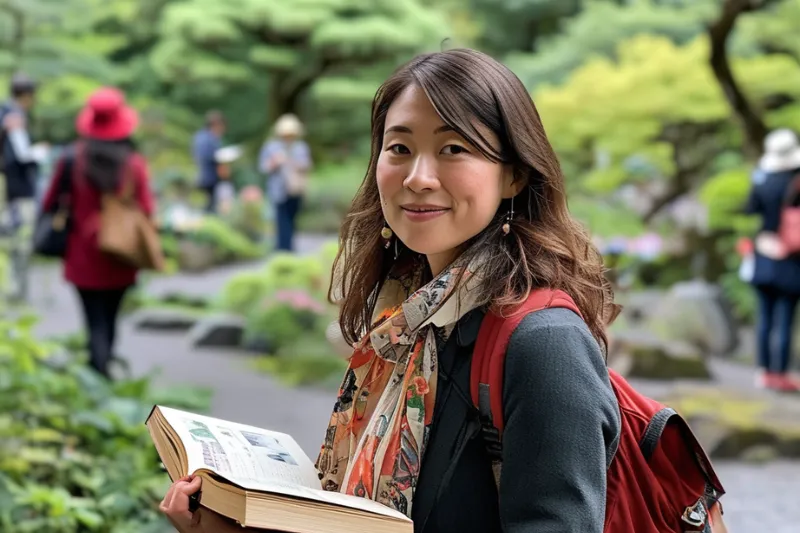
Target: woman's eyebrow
(398,129)
(405,129)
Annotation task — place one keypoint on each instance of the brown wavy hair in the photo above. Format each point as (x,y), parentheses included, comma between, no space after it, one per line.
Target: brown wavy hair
(546,247)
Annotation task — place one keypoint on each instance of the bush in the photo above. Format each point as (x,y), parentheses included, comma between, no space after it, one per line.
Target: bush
(229,244)
(331,191)
(285,271)
(75,455)
(305,362)
(284,317)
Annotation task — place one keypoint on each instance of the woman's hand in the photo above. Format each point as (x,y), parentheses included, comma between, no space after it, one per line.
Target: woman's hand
(176,504)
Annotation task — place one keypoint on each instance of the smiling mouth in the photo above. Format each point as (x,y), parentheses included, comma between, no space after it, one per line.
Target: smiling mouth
(425,209)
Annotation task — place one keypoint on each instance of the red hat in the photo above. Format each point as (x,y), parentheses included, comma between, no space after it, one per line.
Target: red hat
(106,116)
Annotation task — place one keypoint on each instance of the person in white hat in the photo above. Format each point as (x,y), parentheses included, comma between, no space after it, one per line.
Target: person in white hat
(285,159)
(776,273)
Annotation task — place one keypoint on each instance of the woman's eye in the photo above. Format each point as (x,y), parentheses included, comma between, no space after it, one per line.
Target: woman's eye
(454,149)
(398,149)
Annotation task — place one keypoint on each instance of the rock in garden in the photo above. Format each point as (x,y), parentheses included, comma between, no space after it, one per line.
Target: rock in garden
(195,257)
(164,319)
(653,359)
(696,312)
(218,331)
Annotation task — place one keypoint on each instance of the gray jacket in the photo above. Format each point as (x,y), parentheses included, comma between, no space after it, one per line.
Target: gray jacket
(561,430)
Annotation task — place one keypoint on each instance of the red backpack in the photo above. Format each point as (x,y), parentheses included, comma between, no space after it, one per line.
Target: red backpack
(660,479)
(789,230)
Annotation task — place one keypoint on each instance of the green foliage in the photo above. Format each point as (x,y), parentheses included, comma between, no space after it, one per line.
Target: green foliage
(309,361)
(589,34)
(229,244)
(724,195)
(286,313)
(245,291)
(284,317)
(337,51)
(75,455)
(331,191)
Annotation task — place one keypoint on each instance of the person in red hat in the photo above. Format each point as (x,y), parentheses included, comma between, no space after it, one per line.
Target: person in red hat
(100,162)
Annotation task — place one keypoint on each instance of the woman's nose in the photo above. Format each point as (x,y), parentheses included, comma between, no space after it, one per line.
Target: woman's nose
(422,176)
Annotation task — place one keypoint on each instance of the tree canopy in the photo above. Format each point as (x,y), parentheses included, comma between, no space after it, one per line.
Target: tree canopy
(668,98)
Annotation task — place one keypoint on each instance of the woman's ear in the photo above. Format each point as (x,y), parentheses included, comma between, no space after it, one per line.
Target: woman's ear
(512,184)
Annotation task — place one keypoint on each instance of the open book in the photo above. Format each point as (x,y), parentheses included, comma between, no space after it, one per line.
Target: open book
(261,478)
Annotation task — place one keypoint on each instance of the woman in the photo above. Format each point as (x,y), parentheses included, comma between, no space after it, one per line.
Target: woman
(101,162)
(776,276)
(462,210)
(286,160)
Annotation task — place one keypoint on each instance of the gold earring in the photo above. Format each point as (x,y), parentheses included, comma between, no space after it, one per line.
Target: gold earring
(508,218)
(387,233)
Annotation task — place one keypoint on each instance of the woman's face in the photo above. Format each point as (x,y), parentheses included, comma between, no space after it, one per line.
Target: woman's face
(437,190)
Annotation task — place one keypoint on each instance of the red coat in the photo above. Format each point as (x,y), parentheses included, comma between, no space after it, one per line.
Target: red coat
(85,265)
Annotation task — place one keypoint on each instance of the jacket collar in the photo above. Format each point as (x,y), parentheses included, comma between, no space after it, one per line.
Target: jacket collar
(468,327)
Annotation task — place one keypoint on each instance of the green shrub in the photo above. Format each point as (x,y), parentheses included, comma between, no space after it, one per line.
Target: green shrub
(284,271)
(331,191)
(229,244)
(75,455)
(305,362)
(285,316)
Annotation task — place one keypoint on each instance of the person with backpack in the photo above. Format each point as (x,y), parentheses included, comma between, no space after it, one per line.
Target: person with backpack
(477,398)
(776,271)
(104,162)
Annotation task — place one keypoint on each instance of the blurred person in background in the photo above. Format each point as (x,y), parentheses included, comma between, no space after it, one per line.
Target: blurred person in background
(103,161)
(19,164)
(286,161)
(776,272)
(205,145)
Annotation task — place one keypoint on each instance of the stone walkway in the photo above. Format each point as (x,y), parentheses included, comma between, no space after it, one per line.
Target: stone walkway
(761,498)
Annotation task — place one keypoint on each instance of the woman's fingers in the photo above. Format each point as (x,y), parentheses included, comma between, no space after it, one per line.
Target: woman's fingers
(176,503)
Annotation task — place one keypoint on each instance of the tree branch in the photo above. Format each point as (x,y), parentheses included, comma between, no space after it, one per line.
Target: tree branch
(690,156)
(754,128)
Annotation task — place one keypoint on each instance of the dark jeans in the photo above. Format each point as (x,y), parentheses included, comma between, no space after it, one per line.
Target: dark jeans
(286,214)
(211,201)
(776,311)
(100,309)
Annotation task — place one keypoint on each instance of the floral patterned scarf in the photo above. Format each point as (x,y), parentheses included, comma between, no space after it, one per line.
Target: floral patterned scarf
(381,420)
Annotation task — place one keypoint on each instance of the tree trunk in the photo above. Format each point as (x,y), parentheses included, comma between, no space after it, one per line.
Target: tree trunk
(754,128)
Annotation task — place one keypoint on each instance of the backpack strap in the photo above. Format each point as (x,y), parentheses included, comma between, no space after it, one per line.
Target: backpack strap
(488,364)
(652,437)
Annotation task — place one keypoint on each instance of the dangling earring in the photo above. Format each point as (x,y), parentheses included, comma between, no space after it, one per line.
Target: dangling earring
(508,218)
(387,233)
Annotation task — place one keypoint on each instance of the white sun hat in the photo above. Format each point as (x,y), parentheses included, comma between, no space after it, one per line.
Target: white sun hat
(781,152)
(289,125)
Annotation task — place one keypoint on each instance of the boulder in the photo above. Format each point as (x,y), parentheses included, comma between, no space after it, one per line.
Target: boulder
(218,331)
(739,425)
(164,319)
(653,359)
(196,257)
(696,312)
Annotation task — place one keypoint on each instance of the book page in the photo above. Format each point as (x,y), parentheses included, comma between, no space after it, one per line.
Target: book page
(253,458)
(258,460)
